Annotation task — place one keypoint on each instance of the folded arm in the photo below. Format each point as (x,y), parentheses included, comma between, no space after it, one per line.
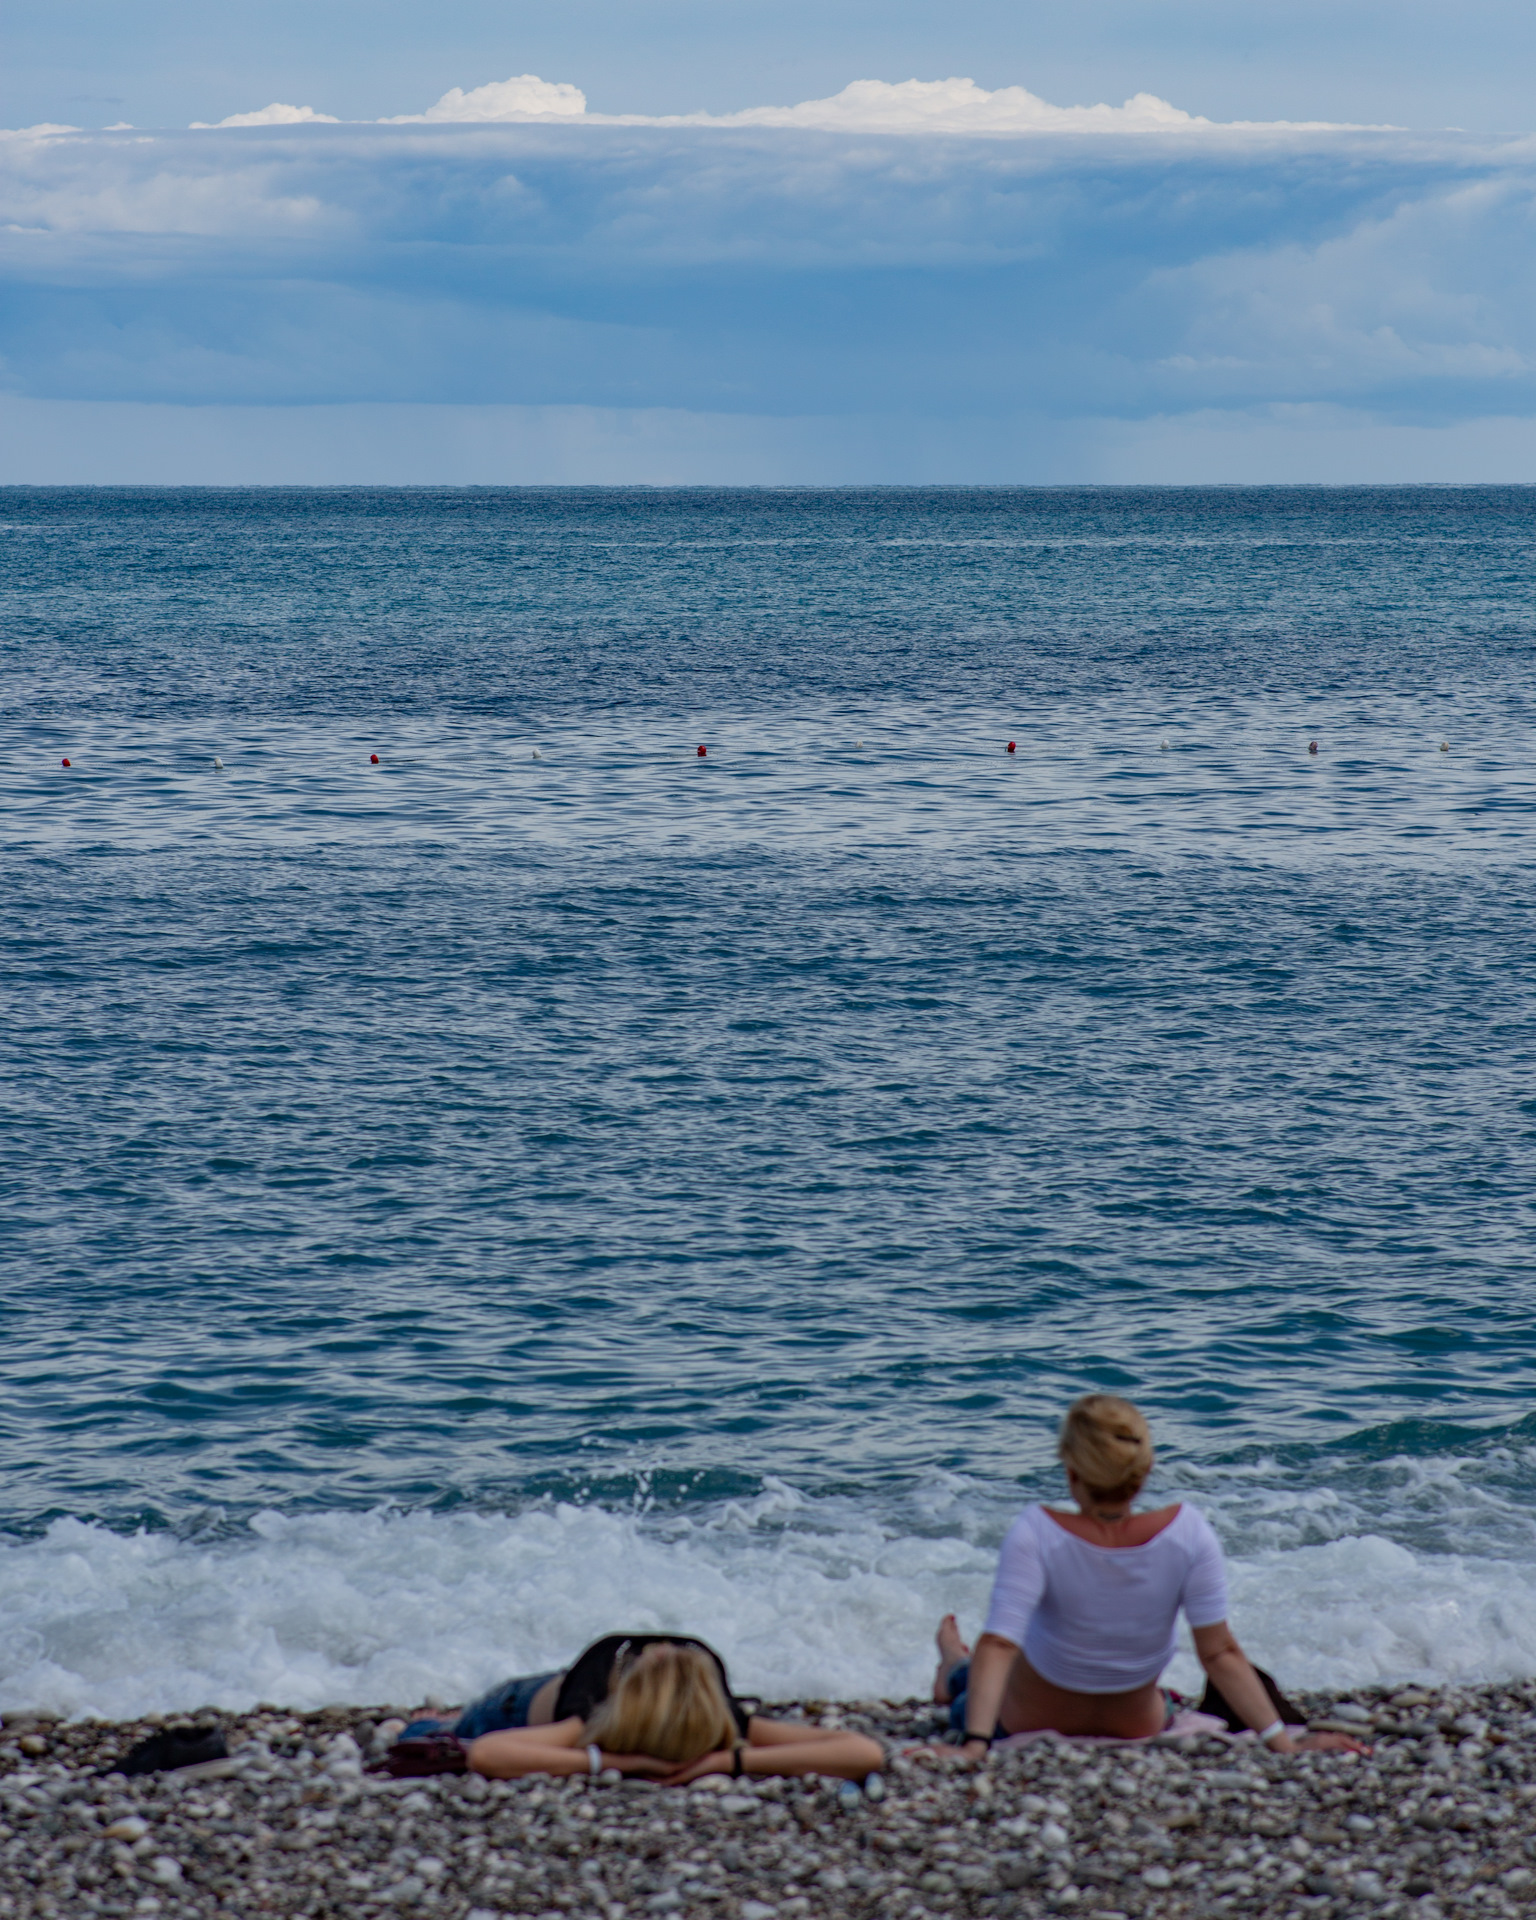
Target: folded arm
(791,1747)
(772,1746)
(556,1748)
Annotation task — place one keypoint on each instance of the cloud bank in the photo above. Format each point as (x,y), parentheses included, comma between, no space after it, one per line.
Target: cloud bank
(276,115)
(856,283)
(524,97)
(873,106)
(957,106)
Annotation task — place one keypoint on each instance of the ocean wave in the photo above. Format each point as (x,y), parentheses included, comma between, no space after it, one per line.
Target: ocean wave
(805,1597)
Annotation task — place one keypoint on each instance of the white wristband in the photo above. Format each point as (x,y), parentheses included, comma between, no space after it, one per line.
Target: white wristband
(1266,1734)
(595,1761)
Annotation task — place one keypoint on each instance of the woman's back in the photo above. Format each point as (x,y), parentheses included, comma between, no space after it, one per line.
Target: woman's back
(1101,1619)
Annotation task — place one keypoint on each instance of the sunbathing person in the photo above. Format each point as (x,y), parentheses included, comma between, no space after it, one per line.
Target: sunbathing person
(647,1704)
(1084,1606)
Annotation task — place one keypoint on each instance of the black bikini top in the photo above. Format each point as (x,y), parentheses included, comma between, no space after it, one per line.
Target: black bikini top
(590,1674)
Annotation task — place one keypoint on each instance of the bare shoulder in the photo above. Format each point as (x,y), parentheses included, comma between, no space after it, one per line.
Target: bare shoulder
(1147,1526)
(1135,1532)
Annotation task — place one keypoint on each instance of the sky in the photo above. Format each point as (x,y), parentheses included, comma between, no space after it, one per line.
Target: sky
(671,243)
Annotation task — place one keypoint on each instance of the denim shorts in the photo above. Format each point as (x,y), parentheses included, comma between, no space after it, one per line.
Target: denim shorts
(504,1706)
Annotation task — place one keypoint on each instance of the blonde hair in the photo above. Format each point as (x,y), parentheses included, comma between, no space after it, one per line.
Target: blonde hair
(1108,1445)
(667,1701)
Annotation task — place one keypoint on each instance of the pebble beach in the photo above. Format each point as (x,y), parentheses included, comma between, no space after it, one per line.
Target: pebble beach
(1440,1819)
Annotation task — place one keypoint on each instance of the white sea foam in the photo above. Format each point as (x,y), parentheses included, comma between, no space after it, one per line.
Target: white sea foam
(376,1608)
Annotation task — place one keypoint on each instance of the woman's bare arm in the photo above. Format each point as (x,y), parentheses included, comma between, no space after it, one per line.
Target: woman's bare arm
(791,1747)
(555,1748)
(991,1666)
(783,1733)
(1229,1668)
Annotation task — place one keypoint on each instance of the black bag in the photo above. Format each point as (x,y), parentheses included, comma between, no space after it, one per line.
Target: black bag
(174,1747)
(1213,1701)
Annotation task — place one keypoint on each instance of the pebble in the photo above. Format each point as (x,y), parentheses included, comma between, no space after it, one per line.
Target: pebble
(1439,1823)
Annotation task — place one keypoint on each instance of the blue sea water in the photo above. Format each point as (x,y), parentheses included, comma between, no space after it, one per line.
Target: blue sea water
(548,1181)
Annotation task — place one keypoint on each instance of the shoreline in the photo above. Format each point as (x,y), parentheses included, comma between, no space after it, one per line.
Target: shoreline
(1440,1820)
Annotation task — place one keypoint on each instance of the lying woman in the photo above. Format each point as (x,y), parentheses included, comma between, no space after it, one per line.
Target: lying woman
(1084,1606)
(645,1704)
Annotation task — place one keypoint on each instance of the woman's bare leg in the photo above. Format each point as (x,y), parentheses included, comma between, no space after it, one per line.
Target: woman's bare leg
(953,1652)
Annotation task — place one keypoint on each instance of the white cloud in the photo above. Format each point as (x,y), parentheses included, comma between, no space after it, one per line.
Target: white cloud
(956,105)
(774,270)
(524,97)
(276,115)
(1434,290)
(877,106)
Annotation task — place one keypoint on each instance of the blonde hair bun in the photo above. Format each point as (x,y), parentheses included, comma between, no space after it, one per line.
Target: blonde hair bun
(1108,1445)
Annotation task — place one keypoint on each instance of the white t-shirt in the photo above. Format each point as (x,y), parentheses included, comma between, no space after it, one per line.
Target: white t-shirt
(1101,1619)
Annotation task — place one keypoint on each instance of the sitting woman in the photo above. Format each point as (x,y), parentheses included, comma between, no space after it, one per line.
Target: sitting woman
(1084,1606)
(649,1704)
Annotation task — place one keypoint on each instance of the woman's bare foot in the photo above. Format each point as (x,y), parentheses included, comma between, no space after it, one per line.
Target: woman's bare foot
(952,1651)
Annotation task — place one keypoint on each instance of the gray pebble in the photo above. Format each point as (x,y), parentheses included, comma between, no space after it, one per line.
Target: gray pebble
(1165,1831)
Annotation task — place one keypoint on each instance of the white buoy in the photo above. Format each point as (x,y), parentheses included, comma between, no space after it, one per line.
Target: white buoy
(858,743)
(218,764)
(537,755)
(1445,746)
(1164,745)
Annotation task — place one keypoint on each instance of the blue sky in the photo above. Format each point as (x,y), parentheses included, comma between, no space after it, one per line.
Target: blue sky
(1422,63)
(458,278)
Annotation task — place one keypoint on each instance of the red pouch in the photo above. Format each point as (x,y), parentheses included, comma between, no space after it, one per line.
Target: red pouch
(424,1756)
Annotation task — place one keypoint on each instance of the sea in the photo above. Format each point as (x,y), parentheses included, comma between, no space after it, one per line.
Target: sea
(585,1060)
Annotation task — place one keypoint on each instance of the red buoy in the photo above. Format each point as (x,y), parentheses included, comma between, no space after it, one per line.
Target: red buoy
(63,763)
(1311,746)
(1010,746)
(703,752)
(373,759)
